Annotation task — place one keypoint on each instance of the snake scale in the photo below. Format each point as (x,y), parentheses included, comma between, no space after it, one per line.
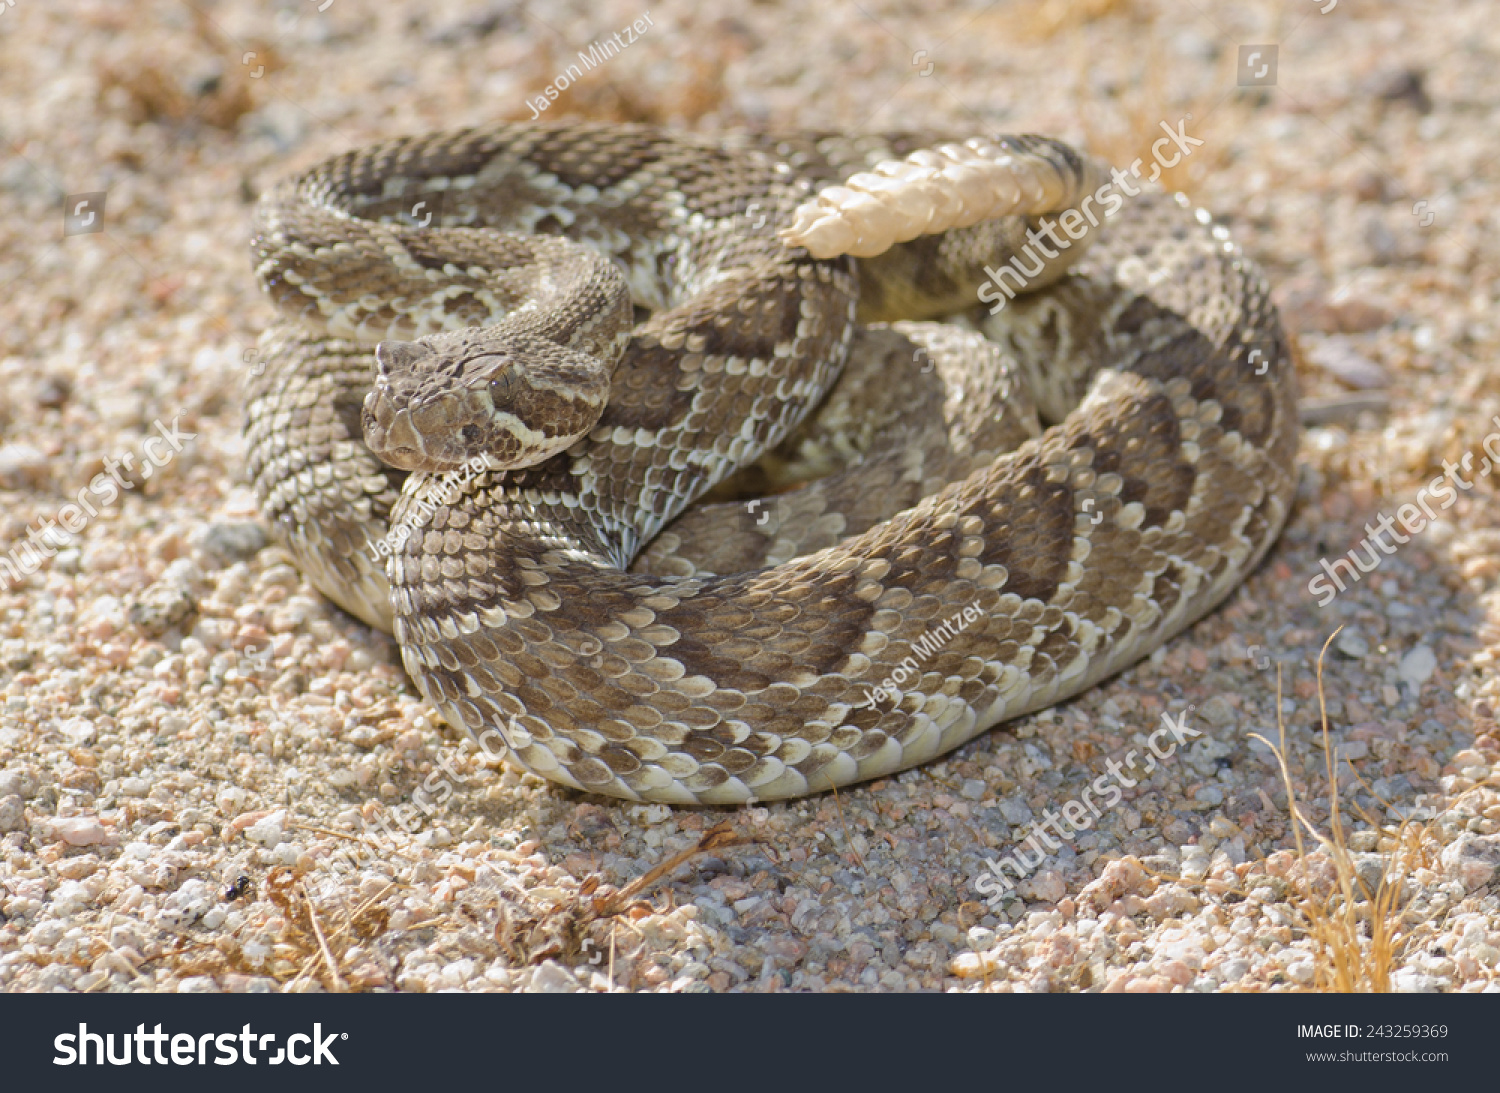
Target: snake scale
(514,361)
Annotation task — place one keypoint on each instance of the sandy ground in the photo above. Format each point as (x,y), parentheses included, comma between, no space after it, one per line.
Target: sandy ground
(179,711)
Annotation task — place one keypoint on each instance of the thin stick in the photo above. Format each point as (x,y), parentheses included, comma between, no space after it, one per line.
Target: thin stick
(610,987)
(312,914)
(847,837)
(718,837)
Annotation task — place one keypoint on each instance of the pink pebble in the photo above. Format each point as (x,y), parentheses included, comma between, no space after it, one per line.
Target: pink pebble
(79,830)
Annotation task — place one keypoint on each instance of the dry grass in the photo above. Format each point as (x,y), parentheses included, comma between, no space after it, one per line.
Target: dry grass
(1121,123)
(329,943)
(228,76)
(314,942)
(529,937)
(1358,936)
(1053,17)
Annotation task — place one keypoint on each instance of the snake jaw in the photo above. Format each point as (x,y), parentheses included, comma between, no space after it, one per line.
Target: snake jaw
(396,437)
(443,414)
(424,422)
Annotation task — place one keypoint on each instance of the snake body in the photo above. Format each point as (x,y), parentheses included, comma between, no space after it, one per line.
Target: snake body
(612,320)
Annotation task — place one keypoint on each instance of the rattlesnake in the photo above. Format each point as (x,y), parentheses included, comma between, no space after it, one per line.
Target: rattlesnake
(923,591)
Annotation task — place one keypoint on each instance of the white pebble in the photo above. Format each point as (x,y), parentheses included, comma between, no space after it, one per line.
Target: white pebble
(267,831)
(552,978)
(80,730)
(255,951)
(1418,665)
(458,973)
(79,830)
(69,898)
(12,813)
(1300,971)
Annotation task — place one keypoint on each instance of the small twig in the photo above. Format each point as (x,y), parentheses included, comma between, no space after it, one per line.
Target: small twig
(361,909)
(312,915)
(316,830)
(1339,409)
(847,837)
(718,837)
(610,986)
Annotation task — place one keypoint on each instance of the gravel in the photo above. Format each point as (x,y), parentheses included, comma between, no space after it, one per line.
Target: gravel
(179,710)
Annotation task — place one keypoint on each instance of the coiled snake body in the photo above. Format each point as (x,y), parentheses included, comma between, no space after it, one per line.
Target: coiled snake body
(614,319)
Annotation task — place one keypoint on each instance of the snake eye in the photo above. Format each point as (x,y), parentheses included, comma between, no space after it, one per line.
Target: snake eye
(502,387)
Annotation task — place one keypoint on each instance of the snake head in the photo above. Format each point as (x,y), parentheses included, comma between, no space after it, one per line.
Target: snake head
(445,400)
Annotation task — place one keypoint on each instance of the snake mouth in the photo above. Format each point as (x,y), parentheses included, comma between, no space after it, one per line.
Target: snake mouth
(411,438)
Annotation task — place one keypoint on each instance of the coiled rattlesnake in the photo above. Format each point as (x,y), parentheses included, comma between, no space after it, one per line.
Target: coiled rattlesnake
(612,319)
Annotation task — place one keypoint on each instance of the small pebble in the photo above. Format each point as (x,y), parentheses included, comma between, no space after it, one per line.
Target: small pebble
(552,978)
(12,813)
(1351,644)
(79,830)
(234,541)
(1418,665)
(268,831)
(1337,356)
